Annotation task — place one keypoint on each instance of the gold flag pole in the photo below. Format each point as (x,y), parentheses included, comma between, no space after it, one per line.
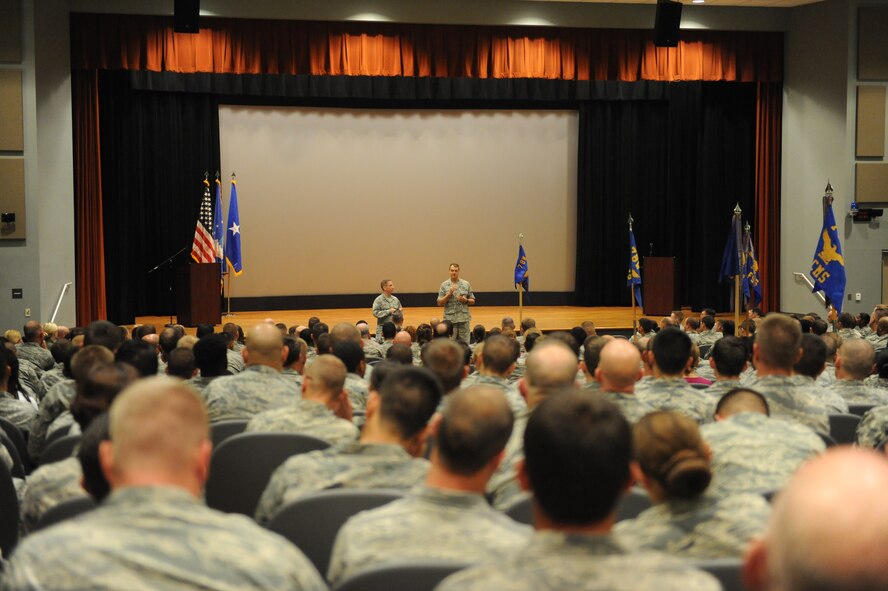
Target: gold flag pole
(520,288)
(737,212)
(632,296)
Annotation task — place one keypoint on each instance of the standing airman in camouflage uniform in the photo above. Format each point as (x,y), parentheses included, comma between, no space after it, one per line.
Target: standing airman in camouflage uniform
(752,452)
(323,410)
(456,296)
(551,369)
(448,518)
(573,548)
(153,531)
(671,350)
(260,387)
(385,305)
(387,456)
(498,357)
(776,350)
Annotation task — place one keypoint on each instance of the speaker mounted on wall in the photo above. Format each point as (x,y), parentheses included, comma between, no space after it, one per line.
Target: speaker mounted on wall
(667,23)
(186,16)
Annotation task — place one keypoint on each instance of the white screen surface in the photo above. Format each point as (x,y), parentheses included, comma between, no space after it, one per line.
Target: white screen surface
(331,201)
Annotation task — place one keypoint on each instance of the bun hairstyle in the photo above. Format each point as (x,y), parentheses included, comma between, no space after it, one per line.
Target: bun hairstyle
(670,450)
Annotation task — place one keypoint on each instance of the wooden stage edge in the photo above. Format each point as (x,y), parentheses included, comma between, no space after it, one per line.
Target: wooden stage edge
(547,317)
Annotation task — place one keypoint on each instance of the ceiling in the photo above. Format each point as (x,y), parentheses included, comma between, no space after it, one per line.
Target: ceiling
(757,3)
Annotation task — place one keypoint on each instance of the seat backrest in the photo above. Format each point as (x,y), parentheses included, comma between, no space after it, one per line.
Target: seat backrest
(728,571)
(17,437)
(827,439)
(521,510)
(414,575)
(222,430)
(55,436)
(633,503)
(65,510)
(60,449)
(860,409)
(242,465)
(843,427)
(18,468)
(9,512)
(312,522)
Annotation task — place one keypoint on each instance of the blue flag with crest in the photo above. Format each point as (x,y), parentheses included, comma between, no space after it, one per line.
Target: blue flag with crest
(634,277)
(522,273)
(828,266)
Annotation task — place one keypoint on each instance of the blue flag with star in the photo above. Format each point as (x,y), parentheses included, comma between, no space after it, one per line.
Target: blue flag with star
(634,277)
(828,266)
(232,234)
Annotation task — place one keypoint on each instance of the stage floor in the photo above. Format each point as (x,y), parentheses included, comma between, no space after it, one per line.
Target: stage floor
(547,317)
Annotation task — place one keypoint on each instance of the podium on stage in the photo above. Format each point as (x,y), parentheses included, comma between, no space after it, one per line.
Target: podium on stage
(661,286)
(198,299)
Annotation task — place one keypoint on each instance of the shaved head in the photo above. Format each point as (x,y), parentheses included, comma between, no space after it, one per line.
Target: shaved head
(551,365)
(324,377)
(829,528)
(265,346)
(619,366)
(403,337)
(856,358)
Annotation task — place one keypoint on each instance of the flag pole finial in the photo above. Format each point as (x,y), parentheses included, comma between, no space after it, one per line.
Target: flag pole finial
(520,237)
(218,176)
(737,210)
(747,228)
(234,176)
(206,174)
(630,221)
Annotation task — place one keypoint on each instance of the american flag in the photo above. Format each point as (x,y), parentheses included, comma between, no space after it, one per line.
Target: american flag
(204,250)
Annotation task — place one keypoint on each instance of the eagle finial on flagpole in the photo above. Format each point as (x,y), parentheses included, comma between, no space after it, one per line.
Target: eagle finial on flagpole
(630,221)
(737,210)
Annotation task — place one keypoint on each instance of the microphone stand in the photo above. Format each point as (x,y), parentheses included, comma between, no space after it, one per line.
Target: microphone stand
(169,260)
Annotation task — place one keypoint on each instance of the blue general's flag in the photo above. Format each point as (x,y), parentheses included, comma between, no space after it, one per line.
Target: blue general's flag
(751,282)
(732,258)
(828,267)
(634,277)
(232,234)
(218,229)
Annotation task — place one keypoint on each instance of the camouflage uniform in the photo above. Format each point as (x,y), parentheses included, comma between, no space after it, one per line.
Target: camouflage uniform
(357,391)
(18,412)
(52,406)
(856,392)
(29,377)
(48,486)
(352,465)
(503,488)
(708,337)
(49,379)
(706,527)
(36,354)
(828,376)
(591,386)
(372,349)
(308,418)
(199,384)
(629,404)
(429,523)
(754,453)
(789,400)
(455,311)
(158,538)
(294,376)
(235,361)
(513,396)
(832,400)
(555,561)
(381,306)
(873,428)
(848,334)
(673,394)
(250,392)
(876,382)
(878,342)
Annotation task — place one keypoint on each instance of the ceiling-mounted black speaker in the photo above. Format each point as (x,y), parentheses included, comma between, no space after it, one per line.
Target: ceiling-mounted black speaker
(186,16)
(667,23)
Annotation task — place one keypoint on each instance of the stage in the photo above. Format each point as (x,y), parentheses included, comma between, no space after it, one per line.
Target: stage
(547,317)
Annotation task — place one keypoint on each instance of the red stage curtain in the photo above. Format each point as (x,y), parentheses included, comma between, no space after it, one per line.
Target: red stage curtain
(768,123)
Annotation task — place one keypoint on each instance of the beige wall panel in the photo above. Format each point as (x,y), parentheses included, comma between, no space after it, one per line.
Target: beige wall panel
(872,182)
(11,134)
(872,48)
(12,197)
(870,121)
(11,31)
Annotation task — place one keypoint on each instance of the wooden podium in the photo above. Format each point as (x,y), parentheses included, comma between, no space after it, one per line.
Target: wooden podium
(660,286)
(198,299)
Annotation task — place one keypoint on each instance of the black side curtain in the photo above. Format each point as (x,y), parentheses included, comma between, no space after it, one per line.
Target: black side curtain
(155,149)
(679,165)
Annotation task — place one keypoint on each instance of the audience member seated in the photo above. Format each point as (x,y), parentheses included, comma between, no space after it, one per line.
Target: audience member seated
(448,518)
(498,357)
(854,363)
(153,531)
(260,386)
(809,367)
(752,452)
(578,449)
(19,411)
(829,528)
(673,466)
(323,411)
(618,369)
(388,455)
(592,347)
(691,375)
